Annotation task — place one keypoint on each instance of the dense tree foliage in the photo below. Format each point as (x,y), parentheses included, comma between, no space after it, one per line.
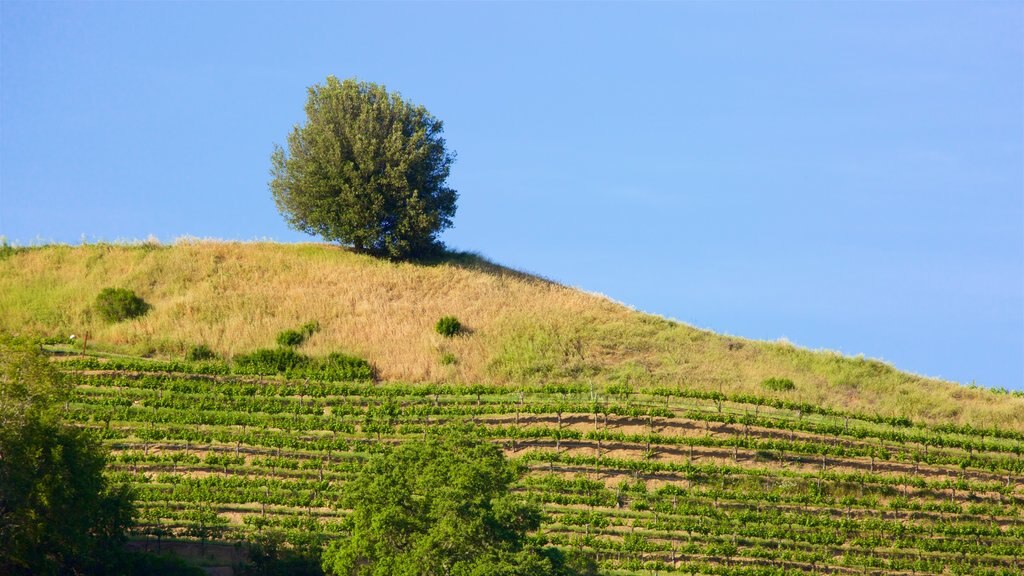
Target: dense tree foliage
(58,514)
(29,386)
(269,555)
(368,169)
(440,506)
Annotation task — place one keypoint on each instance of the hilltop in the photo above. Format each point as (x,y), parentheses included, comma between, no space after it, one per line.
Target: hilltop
(235,297)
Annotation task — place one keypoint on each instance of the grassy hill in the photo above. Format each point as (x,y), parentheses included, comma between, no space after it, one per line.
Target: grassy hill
(652,447)
(235,297)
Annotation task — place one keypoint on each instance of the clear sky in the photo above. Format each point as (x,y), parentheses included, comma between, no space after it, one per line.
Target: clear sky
(848,176)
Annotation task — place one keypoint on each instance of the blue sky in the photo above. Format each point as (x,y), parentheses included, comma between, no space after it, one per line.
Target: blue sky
(848,176)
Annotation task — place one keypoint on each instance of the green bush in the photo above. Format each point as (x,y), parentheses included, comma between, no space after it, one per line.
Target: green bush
(778,384)
(199,353)
(310,328)
(290,338)
(448,326)
(619,389)
(338,366)
(117,304)
(335,367)
(448,359)
(270,361)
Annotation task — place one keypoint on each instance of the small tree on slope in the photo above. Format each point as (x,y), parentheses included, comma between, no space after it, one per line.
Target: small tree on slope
(441,506)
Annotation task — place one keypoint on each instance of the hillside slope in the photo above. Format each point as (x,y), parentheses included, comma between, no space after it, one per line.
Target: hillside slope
(235,297)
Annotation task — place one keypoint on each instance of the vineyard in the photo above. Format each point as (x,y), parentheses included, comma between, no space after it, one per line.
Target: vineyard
(648,480)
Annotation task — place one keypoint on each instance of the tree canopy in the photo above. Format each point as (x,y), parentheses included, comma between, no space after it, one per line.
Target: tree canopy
(29,385)
(367,169)
(58,513)
(441,506)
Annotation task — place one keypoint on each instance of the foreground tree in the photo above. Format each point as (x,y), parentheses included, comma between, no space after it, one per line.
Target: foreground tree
(441,506)
(30,387)
(58,514)
(368,169)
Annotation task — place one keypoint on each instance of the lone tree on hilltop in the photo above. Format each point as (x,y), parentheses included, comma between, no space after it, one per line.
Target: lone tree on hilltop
(367,169)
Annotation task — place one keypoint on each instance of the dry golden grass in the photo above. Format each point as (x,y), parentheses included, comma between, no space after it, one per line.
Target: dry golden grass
(236,297)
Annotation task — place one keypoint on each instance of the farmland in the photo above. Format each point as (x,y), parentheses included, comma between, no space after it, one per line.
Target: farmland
(656,480)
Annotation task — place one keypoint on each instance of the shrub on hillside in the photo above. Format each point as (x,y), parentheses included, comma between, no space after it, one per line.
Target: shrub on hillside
(310,328)
(778,384)
(117,304)
(338,366)
(294,338)
(290,338)
(335,367)
(199,353)
(269,361)
(448,326)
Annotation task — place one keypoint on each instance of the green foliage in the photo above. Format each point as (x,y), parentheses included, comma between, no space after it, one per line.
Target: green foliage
(448,359)
(448,326)
(441,505)
(367,169)
(778,384)
(310,328)
(293,338)
(200,353)
(29,385)
(58,514)
(335,366)
(620,389)
(270,556)
(290,338)
(205,523)
(117,304)
(338,366)
(270,361)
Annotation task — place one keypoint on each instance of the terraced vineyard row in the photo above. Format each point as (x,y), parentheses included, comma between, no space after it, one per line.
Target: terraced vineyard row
(648,481)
